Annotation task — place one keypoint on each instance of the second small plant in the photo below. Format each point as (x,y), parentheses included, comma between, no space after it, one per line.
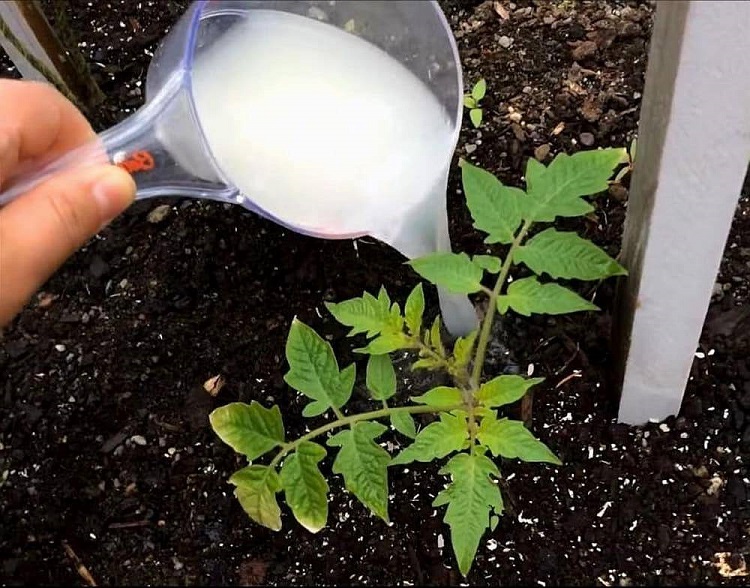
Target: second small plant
(473,102)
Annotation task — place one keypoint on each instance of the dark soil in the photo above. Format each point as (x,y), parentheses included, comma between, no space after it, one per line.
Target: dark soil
(104,439)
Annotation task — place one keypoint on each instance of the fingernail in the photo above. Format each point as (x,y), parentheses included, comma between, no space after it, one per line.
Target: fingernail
(113,190)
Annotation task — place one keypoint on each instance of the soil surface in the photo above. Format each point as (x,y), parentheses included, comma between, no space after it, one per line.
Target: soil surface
(105,448)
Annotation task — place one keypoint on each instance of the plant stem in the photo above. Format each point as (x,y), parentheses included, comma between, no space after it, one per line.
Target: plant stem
(468,396)
(484,336)
(350,420)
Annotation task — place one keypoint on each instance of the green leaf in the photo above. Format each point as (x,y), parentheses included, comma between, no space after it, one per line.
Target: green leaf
(437,440)
(442,396)
(505,390)
(453,271)
(469,101)
(557,190)
(364,465)
(256,490)
(249,429)
(511,439)
(566,255)
(386,343)
(426,363)
(475,114)
(381,377)
(403,422)
(367,314)
(314,371)
(414,309)
(633,149)
(496,209)
(471,497)
(436,339)
(528,296)
(305,488)
(479,90)
(462,349)
(488,263)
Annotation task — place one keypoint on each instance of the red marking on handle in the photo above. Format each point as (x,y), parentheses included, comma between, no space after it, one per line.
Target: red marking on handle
(138,162)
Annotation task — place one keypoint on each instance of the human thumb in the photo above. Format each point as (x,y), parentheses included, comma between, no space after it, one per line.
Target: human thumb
(42,228)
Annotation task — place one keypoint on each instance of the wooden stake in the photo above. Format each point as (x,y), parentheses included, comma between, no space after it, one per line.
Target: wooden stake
(37,52)
(693,153)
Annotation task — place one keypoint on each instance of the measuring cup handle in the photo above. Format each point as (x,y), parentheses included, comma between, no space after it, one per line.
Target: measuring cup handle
(119,145)
(137,145)
(86,155)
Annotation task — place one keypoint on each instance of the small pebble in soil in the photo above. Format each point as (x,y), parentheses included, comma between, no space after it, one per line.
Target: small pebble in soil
(541,152)
(138,440)
(587,139)
(505,42)
(159,213)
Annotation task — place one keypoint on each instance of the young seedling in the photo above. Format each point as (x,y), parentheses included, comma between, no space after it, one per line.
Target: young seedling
(473,102)
(630,162)
(471,435)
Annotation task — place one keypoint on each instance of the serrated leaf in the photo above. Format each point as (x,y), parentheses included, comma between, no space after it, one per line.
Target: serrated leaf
(453,271)
(381,377)
(528,296)
(442,397)
(367,314)
(249,429)
(403,422)
(364,465)
(479,90)
(483,411)
(556,190)
(414,309)
(437,440)
(471,497)
(386,343)
(305,488)
(488,263)
(314,371)
(463,348)
(256,488)
(469,101)
(505,390)
(566,255)
(511,439)
(436,338)
(496,209)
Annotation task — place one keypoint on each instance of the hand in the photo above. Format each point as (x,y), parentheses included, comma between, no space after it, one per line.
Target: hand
(42,228)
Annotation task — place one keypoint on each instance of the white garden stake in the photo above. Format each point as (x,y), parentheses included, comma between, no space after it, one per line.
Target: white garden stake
(693,154)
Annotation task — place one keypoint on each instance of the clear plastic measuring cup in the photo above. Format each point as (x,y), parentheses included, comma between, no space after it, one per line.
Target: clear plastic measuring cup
(165,146)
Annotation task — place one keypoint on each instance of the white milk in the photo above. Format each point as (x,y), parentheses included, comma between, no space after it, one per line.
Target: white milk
(327,132)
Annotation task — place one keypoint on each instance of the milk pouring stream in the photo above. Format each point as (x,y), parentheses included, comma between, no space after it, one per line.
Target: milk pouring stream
(331,134)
